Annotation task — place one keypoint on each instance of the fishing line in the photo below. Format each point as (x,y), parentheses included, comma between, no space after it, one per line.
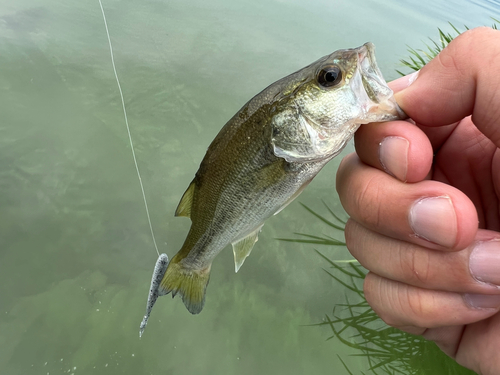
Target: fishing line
(128,128)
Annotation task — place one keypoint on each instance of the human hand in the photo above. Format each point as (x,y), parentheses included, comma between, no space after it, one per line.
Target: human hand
(424,203)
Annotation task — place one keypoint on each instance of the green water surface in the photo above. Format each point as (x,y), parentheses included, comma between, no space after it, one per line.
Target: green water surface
(76,253)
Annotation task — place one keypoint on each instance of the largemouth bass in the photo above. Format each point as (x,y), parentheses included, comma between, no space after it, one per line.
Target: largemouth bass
(264,157)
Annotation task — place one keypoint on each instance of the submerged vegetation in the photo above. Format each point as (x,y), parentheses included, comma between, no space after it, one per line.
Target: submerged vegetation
(387,349)
(419,57)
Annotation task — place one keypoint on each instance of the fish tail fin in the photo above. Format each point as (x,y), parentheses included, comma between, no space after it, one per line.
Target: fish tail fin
(190,284)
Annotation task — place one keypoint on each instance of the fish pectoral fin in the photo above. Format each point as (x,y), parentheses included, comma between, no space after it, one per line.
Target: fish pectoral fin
(184,207)
(190,284)
(243,247)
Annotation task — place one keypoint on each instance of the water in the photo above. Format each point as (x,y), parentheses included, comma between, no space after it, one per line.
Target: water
(76,254)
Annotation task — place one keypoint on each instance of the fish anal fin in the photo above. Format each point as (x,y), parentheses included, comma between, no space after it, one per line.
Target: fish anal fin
(190,284)
(243,247)
(184,207)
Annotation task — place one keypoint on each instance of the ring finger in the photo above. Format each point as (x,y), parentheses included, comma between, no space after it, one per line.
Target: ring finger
(414,309)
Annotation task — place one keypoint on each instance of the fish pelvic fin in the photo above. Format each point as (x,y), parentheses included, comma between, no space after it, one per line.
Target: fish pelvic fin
(243,247)
(190,284)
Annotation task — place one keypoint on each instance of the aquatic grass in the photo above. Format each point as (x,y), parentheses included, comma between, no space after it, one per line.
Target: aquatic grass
(320,240)
(419,57)
(353,323)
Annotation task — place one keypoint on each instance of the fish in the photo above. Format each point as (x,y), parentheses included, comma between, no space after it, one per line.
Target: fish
(264,157)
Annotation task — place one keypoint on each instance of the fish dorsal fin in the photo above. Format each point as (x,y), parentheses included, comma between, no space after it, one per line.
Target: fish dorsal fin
(243,247)
(184,207)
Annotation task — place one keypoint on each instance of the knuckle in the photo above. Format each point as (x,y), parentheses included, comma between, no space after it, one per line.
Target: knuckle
(415,263)
(449,61)
(415,305)
(465,46)
(354,236)
(382,300)
(399,305)
(368,203)
(422,308)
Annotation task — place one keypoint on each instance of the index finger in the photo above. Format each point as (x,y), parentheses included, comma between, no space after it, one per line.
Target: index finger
(460,81)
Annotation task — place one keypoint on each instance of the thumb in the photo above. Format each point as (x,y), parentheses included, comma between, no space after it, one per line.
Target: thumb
(461,80)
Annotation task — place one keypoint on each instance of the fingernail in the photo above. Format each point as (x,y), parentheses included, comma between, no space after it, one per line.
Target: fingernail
(434,220)
(482,301)
(403,82)
(393,155)
(484,262)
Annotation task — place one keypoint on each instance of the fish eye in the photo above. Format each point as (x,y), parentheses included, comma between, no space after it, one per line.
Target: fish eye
(329,76)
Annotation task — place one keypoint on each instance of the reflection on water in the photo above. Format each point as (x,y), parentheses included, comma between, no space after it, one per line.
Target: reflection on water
(76,254)
(492,6)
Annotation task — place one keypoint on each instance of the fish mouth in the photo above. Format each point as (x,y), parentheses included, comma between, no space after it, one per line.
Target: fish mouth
(369,83)
(373,81)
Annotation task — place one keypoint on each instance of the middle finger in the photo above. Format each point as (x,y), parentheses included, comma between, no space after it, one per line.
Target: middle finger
(472,270)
